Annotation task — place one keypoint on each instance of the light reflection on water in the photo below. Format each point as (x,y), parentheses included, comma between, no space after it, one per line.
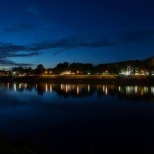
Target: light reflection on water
(81,89)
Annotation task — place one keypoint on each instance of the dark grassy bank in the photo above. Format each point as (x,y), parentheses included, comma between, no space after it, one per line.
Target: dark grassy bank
(110,79)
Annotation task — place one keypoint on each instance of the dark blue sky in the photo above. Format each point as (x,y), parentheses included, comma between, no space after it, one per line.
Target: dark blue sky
(86,31)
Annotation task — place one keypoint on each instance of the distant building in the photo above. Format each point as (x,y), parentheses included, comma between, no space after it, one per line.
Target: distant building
(4,72)
(66,73)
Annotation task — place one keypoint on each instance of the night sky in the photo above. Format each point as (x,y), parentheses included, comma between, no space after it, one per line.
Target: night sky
(49,32)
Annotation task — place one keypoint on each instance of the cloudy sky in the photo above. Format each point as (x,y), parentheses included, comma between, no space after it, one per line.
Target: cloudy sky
(87,31)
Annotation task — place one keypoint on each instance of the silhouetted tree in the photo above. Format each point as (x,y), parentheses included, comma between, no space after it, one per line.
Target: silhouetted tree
(18,69)
(74,67)
(61,67)
(28,70)
(39,69)
(88,68)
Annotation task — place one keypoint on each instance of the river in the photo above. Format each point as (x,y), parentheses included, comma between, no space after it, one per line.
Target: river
(77,118)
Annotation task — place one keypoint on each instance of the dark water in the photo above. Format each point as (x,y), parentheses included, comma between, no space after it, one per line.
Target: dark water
(77,118)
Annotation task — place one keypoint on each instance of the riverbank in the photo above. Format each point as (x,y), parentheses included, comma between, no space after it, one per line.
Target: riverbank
(108,79)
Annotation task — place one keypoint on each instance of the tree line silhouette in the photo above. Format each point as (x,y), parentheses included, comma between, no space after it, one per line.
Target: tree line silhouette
(81,68)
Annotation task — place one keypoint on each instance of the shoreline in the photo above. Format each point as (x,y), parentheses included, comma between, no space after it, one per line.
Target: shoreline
(100,79)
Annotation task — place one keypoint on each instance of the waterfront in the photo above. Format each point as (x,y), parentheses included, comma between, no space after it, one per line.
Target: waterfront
(85,79)
(77,118)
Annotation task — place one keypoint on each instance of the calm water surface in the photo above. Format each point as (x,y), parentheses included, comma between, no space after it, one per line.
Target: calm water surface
(78,118)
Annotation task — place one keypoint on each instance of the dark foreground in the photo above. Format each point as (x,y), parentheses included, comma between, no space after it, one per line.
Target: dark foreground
(104,144)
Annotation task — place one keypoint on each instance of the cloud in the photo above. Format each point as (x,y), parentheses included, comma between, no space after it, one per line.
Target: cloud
(12,50)
(57,52)
(25,55)
(6,62)
(19,27)
(96,44)
(8,50)
(11,63)
(137,36)
(68,43)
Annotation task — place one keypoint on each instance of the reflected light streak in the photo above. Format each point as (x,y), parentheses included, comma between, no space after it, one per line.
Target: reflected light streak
(127,90)
(62,87)
(142,92)
(130,90)
(8,85)
(15,87)
(46,88)
(20,86)
(66,88)
(106,91)
(88,87)
(51,88)
(77,90)
(152,90)
(73,87)
(103,88)
(119,88)
(136,89)
(146,89)
(69,88)
(25,85)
